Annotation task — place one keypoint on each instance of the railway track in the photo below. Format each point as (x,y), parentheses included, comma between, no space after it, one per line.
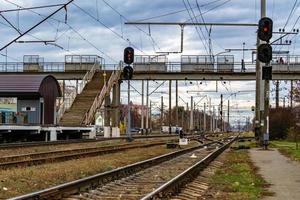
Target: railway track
(149,179)
(63,155)
(35,144)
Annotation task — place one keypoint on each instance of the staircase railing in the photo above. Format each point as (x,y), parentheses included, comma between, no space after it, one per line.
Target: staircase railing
(67,103)
(89,116)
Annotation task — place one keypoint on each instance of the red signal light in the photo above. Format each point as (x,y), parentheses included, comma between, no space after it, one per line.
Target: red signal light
(265,29)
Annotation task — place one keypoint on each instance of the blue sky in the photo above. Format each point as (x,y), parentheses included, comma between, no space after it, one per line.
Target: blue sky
(108,36)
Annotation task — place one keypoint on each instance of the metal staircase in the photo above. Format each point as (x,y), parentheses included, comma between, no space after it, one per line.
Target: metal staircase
(80,109)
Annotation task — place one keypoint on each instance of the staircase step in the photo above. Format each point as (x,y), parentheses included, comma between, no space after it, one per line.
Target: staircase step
(83,101)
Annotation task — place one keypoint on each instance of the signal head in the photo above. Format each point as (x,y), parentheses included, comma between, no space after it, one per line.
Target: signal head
(128,55)
(265,29)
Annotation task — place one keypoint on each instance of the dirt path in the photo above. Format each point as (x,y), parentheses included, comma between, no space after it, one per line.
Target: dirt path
(278,170)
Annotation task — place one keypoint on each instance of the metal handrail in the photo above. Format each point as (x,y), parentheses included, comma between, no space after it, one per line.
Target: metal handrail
(100,97)
(67,104)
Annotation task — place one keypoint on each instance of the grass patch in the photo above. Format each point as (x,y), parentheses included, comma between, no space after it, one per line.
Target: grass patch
(287,148)
(237,179)
(244,144)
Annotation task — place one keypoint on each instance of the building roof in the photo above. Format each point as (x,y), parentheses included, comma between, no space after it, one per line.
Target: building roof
(26,85)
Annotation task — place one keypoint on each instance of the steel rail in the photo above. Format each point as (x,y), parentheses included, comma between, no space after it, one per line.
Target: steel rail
(173,186)
(84,184)
(64,155)
(33,144)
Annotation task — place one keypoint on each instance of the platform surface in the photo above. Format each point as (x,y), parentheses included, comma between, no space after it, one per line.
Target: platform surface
(281,172)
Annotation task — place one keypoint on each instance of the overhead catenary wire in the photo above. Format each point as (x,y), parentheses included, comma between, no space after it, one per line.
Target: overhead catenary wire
(70,27)
(114,32)
(196,27)
(175,12)
(121,15)
(31,8)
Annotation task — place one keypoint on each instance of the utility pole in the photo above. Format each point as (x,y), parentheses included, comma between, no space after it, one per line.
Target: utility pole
(195,116)
(218,118)
(147,106)
(221,113)
(150,116)
(170,106)
(187,112)
(176,103)
(128,131)
(204,118)
(211,117)
(213,120)
(162,112)
(142,110)
(259,97)
(228,125)
(191,115)
(277,94)
(291,94)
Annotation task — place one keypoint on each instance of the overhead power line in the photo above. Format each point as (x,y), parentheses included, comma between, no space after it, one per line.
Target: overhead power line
(31,8)
(114,32)
(36,25)
(69,26)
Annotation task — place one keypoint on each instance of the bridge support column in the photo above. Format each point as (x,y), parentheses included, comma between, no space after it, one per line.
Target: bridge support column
(116,105)
(107,116)
(53,134)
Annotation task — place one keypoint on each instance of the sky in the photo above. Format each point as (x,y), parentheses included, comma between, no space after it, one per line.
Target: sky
(96,27)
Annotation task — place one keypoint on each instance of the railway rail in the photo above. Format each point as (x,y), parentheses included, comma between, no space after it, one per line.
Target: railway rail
(35,144)
(149,179)
(63,155)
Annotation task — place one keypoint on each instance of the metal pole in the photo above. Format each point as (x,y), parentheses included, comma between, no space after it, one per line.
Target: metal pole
(170,106)
(228,125)
(147,106)
(265,90)
(176,103)
(204,118)
(221,113)
(259,107)
(128,131)
(187,112)
(142,110)
(211,118)
(162,112)
(291,94)
(277,94)
(191,116)
(150,117)
(194,116)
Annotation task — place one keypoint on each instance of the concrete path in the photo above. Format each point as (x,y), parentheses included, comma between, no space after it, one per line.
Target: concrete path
(278,170)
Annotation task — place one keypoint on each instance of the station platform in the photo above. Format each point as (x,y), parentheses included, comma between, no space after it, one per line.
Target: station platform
(280,172)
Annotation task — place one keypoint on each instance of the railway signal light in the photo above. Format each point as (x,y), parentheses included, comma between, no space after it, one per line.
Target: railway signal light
(265,29)
(128,55)
(127,72)
(264,53)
